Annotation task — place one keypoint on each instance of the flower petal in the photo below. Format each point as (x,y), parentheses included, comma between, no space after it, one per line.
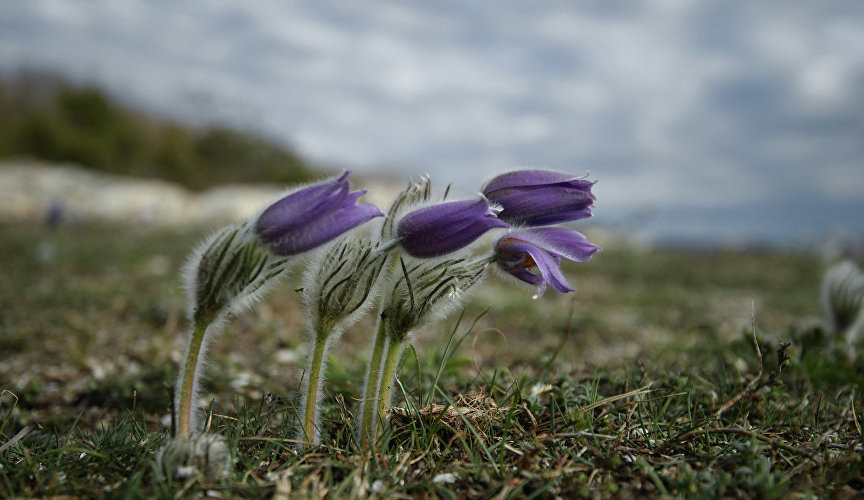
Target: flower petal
(312,216)
(565,243)
(543,248)
(320,230)
(440,216)
(542,206)
(521,178)
(547,263)
(531,278)
(296,209)
(550,268)
(540,197)
(445,228)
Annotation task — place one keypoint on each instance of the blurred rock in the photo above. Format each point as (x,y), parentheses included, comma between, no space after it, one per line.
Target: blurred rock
(32,191)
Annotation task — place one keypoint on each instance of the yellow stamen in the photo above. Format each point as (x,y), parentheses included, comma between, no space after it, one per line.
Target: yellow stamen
(526,262)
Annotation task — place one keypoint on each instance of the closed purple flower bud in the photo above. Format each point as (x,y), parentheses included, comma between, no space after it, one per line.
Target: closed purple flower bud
(542,249)
(540,197)
(442,229)
(312,216)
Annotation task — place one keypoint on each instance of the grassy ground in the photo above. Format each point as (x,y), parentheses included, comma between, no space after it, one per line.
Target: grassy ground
(667,373)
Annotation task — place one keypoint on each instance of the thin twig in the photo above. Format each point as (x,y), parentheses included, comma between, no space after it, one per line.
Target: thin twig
(611,399)
(732,430)
(854,415)
(584,434)
(17,437)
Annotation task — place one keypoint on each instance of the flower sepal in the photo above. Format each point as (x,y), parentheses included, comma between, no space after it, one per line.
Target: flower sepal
(339,281)
(228,272)
(424,290)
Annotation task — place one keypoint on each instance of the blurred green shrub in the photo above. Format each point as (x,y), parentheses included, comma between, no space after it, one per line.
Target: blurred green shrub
(43,117)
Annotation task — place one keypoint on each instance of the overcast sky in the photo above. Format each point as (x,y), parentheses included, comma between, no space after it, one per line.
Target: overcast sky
(730,121)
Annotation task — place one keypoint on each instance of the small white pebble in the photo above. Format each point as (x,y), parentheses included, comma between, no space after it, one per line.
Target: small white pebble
(640,432)
(539,389)
(287,356)
(242,380)
(377,486)
(82,455)
(446,477)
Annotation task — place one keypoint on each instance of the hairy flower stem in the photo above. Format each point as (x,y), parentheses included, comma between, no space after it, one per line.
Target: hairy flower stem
(313,387)
(386,379)
(187,379)
(373,374)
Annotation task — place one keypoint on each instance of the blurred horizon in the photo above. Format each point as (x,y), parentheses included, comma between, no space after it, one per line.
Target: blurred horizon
(703,123)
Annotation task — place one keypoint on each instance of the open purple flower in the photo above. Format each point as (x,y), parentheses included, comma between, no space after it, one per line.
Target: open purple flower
(520,252)
(540,197)
(313,216)
(442,229)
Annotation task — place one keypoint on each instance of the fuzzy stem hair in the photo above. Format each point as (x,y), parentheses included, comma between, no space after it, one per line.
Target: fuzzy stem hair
(310,392)
(188,379)
(386,379)
(366,429)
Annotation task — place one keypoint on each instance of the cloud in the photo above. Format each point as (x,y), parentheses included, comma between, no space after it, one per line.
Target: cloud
(674,104)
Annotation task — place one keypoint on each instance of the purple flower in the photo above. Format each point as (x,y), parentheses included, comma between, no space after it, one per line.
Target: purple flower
(312,216)
(520,252)
(445,228)
(540,197)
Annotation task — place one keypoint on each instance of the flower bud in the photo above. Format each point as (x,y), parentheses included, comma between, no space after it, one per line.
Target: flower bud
(445,228)
(339,281)
(428,290)
(312,216)
(414,193)
(540,197)
(229,270)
